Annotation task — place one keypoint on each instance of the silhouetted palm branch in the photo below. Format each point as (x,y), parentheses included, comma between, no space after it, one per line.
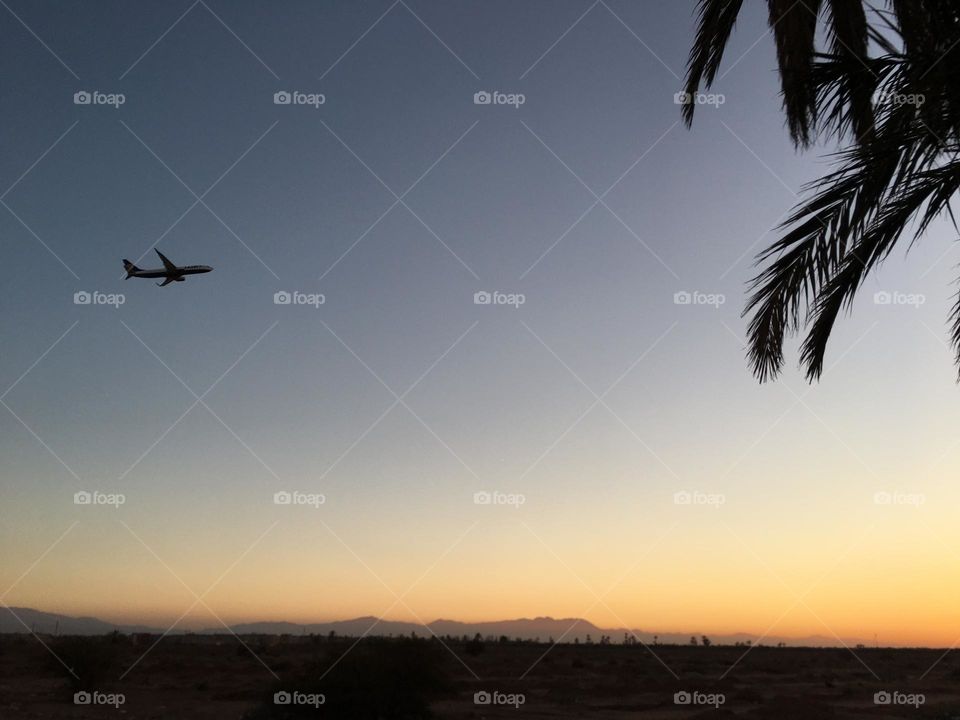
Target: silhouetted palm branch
(899,111)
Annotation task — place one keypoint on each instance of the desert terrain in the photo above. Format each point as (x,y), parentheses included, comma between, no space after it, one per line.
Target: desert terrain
(218,677)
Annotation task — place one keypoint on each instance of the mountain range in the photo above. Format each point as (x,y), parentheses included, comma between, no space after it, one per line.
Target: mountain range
(18,620)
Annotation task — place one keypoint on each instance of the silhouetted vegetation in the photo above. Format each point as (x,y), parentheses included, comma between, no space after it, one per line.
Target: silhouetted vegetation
(87,662)
(474,646)
(375,680)
(885,86)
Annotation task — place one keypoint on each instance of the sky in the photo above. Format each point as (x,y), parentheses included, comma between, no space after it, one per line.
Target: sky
(445,456)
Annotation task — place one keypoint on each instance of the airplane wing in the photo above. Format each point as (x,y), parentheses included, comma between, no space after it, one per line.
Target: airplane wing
(165,282)
(170,267)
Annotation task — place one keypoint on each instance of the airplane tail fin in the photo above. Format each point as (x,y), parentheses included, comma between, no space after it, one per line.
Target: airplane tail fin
(130,268)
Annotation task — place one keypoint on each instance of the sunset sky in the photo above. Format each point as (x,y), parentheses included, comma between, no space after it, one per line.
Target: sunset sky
(597,399)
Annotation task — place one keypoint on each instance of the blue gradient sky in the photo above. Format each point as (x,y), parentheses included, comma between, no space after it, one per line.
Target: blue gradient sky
(508,402)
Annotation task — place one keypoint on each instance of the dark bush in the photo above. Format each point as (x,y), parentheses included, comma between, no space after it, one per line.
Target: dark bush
(376,680)
(92,661)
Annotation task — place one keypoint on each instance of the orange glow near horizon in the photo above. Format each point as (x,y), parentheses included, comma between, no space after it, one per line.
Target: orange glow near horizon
(716,576)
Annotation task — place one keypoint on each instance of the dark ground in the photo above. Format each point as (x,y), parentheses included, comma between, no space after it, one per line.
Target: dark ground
(216,677)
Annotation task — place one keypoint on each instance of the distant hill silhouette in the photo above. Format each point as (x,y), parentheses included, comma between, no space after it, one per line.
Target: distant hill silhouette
(539,628)
(51,623)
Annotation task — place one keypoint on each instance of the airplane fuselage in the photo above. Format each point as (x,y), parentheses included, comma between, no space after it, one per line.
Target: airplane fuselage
(169,272)
(164,273)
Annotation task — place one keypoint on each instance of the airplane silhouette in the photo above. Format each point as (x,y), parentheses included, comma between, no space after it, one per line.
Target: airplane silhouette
(169,271)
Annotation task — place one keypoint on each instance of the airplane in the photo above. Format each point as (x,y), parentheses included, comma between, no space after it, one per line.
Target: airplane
(169,271)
